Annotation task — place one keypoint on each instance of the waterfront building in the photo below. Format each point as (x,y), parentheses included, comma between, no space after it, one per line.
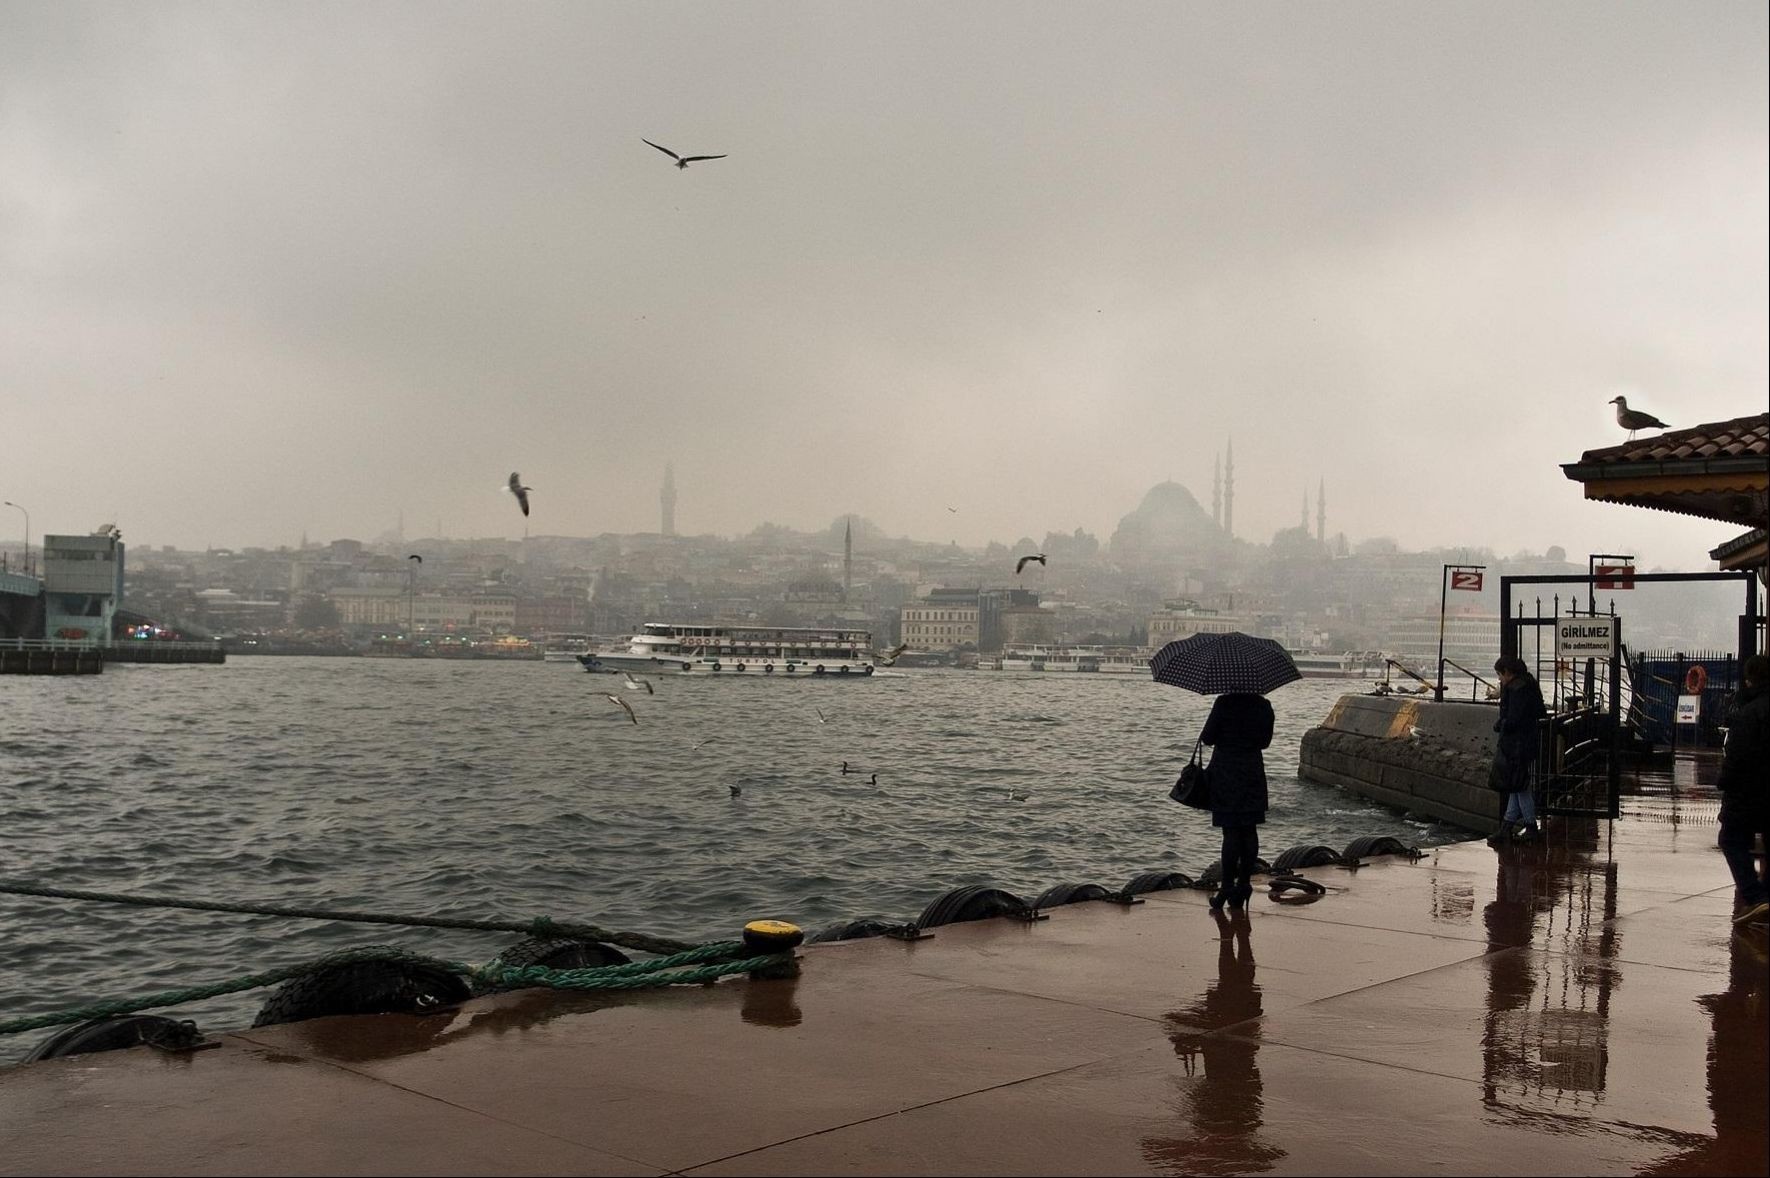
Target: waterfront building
(1471,639)
(82,584)
(944,620)
(1184,619)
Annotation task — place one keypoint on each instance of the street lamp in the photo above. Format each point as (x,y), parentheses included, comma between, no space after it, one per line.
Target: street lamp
(27,515)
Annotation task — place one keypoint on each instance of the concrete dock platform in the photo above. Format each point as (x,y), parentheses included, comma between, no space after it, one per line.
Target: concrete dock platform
(1579,1006)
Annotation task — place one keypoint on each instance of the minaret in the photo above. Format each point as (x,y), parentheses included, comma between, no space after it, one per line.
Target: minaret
(1229,491)
(1303,520)
(1217,490)
(1321,511)
(847,557)
(667,498)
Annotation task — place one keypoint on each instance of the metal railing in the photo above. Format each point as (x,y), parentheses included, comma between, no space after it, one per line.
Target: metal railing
(1477,680)
(82,644)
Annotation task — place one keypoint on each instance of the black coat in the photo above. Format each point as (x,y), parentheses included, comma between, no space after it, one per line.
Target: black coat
(1745,766)
(1240,725)
(1521,707)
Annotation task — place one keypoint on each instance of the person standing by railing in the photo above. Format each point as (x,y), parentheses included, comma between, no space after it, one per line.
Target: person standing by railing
(1521,711)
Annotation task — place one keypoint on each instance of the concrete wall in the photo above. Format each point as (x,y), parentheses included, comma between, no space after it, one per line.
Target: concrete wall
(1425,757)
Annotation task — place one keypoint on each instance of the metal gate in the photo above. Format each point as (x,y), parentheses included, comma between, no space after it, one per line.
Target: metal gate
(1578,766)
(1593,702)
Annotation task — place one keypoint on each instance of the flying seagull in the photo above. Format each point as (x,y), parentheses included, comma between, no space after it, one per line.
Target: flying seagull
(889,657)
(521,492)
(821,718)
(682,161)
(625,706)
(416,557)
(1634,419)
(1021,564)
(635,684)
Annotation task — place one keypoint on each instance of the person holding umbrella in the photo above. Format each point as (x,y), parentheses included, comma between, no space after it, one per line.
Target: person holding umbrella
(1238,669)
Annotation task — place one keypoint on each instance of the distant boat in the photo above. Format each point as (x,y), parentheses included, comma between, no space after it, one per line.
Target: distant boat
(1060,658)
(1351,664)
(727,649)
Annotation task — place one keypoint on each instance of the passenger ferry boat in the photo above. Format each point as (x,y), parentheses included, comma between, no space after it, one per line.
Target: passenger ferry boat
(1352,664)
(724,649)
(1106,660)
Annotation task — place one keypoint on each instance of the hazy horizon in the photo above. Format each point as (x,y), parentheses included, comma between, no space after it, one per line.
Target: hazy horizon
(267,271)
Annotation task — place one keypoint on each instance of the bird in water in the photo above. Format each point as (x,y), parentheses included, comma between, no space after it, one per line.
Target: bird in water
(1634,419)
(521,492)
(1022,562)
(682,161)
(1014,797)
(625,706)
(735,790)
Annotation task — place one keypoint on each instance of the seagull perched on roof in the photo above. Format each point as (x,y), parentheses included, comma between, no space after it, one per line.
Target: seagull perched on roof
(1634,419)
(521,492)
(682,161)
(1021,563)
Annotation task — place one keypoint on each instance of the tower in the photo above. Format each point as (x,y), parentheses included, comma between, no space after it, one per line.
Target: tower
(1321,512)
(667,498)
(1229,491)
(1303,520)
(1217,490)
(847,557)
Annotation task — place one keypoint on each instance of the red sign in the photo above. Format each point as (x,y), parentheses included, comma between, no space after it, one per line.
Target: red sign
(1465,580)
(1616,576)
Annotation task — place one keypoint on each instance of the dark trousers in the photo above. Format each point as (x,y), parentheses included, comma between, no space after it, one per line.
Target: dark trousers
(1241,846)
(1736,848)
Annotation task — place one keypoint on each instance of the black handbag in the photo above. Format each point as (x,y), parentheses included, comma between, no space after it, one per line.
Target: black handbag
(1193,788)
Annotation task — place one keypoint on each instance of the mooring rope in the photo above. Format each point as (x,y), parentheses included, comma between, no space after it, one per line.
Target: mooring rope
(540,926)
(710,962)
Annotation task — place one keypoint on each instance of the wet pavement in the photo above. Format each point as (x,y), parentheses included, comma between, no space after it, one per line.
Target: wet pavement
(1579,1006)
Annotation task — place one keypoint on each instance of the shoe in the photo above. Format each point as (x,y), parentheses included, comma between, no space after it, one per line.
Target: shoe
(1219,898)
(1503,838)
(1527,834)
(1758,913)
(1240,895)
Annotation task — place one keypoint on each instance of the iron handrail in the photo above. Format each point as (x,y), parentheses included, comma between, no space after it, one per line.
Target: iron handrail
(1466,671)
(1411,674)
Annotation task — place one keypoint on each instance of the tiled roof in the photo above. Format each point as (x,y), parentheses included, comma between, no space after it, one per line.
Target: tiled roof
(1743,437)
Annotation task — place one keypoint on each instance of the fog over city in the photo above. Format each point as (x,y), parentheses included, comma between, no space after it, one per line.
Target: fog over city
(972,272)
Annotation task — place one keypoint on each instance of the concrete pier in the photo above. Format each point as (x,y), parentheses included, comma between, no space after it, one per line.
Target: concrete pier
(25,657)
(1579,1006)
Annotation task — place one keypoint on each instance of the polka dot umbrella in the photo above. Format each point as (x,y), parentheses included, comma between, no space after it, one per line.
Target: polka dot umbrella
(1214,664)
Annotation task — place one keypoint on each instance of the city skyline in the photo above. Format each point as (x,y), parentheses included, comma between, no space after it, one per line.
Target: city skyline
(273,270)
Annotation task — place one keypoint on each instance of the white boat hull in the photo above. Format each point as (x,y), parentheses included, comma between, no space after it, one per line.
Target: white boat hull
(623,662)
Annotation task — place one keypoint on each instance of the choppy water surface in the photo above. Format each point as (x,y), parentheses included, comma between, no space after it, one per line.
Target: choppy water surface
(517,790)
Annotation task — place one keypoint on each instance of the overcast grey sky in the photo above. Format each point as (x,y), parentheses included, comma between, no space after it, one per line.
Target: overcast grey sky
(274,268)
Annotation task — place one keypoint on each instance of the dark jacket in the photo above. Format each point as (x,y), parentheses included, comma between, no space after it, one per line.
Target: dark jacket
(1521,706)
(1745,766)
(1240,725)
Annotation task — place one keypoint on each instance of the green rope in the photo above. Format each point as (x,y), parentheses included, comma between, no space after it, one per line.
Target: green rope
(540,926)
(711,961)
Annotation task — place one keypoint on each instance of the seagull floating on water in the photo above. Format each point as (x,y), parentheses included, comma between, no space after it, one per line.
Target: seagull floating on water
(521,492)
(735,790)
(682,161)
(1018,797)
(1634,419)
(625,706)
(1021,563)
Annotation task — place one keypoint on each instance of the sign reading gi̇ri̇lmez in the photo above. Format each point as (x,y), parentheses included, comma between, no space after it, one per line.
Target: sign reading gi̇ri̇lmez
(1689,709)
(1585,638)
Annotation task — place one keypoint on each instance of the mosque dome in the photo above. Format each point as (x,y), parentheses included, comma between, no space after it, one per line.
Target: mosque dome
(1168,523)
